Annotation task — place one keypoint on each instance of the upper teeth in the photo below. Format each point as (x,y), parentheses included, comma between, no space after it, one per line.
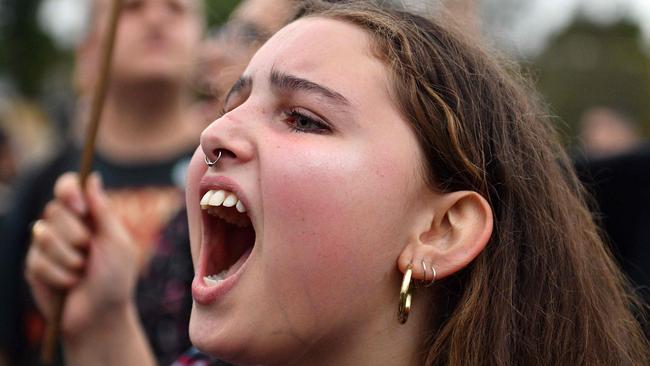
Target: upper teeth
(220,197)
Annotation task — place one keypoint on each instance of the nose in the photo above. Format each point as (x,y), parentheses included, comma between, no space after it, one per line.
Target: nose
(229,141)
(156,13)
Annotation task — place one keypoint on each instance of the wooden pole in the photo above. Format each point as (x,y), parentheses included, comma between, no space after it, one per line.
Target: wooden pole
(54,324)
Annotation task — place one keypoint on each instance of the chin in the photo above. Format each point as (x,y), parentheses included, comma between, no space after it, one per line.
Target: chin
(214,338)
(208,336)
(226,344)
(150,74)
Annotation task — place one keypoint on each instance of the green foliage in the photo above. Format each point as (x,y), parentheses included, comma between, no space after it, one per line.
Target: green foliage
(591,65)
(217,11)
(27,51)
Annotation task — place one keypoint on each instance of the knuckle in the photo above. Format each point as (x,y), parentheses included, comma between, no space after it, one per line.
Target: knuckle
(66,187)
(51,210)
(29,262)
(44,243)
(76,263)
(80,236)
(31,271)
(36,265)
(64,183)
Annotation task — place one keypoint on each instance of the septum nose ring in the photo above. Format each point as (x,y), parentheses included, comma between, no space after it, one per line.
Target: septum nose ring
(209,163)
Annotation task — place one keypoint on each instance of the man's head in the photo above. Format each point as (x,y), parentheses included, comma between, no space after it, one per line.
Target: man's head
(225,56)
(157,42)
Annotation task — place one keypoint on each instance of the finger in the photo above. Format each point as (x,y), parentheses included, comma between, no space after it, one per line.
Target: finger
(40,269)
(69,227)
(43,295)
(68,190)
(49,244)
(104,219)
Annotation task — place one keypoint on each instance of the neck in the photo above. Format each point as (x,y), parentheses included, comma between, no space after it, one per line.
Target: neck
(378,339)
(144,123)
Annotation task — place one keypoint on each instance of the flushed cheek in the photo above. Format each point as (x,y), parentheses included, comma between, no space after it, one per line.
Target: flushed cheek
(331,221)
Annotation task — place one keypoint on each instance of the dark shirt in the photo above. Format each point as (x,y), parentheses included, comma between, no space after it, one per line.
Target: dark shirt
(621,188)
(164,293)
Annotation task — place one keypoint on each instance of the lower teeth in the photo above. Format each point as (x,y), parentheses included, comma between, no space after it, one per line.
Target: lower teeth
(213,280)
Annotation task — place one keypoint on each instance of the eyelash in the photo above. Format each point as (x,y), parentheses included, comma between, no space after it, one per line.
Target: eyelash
(321,127)
(222,112)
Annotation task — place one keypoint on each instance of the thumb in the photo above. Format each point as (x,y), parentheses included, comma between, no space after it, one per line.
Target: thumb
(103,218)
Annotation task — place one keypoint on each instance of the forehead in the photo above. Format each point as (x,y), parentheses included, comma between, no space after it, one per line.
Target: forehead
(269,15)
(327,51)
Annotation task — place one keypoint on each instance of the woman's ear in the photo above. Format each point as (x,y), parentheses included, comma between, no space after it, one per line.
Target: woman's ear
(456,229)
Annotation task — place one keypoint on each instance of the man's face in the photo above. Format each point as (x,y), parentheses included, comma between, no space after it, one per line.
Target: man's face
(224,57)
(157,40)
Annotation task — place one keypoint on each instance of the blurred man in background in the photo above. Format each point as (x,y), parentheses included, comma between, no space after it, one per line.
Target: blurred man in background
(615,167)
(606,132)
(228,49)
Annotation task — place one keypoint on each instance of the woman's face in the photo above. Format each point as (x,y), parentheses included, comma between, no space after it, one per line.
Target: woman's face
(329,173)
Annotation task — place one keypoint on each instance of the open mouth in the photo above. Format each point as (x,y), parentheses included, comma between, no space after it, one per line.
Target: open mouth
(228,233)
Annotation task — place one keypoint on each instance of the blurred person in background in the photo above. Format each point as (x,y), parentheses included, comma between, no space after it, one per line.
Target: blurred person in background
(144,144)
(615,167)
(228,49)
(606,132)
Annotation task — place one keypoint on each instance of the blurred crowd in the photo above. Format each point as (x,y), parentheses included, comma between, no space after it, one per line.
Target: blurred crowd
(170,77)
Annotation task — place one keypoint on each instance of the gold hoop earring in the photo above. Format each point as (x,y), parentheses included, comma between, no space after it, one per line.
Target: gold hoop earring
(405,296)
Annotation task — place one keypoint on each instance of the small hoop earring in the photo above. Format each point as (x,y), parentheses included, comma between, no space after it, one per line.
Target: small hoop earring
(424,268)
(433,278)
(209,163)
(405,296)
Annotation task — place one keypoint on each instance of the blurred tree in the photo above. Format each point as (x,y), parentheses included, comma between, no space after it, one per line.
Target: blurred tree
(590,64)
(26,51)
(3,37)
(219,10)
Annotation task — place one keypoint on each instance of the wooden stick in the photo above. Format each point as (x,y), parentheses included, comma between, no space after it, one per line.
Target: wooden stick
(54,325)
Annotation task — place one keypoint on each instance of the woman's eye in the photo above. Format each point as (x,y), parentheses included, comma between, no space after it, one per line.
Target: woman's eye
(300,122)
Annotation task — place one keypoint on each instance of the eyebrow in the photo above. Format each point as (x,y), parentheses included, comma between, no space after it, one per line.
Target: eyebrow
(284,81)
(242,83)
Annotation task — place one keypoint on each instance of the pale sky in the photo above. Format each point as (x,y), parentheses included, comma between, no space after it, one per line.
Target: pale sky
(64,19)
(547,17)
